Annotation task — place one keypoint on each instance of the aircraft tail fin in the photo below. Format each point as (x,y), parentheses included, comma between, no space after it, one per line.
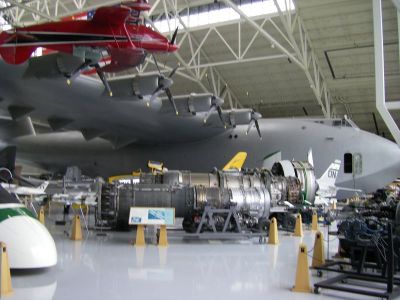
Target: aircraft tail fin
(310,158)
(43,186)
(328,179)
(236,162)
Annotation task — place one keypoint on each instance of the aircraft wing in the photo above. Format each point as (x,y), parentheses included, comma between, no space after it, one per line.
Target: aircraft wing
(86,109)
(111,15)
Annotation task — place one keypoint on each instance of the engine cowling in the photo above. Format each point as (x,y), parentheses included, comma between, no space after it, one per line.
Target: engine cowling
(134,88)
(195,103)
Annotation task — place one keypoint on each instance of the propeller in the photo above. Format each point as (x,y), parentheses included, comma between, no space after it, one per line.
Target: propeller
(254,116)
(103,78)
(216,103)
(173,39)
(164,84)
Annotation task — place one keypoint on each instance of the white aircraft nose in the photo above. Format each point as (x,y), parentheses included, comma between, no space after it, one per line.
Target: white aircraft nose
(29,244)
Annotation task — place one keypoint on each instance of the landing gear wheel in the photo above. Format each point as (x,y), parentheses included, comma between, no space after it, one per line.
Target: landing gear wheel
(316,290)
(319,273)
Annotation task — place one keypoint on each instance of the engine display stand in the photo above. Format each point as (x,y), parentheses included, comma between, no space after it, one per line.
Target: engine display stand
(356,281)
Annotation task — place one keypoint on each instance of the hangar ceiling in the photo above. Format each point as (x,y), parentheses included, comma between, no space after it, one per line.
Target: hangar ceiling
(329,73)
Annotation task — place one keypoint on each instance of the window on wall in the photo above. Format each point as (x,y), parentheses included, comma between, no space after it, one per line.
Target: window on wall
(353,163)
(348,163)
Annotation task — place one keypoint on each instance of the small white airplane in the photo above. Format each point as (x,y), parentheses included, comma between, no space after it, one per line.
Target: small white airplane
(24,191)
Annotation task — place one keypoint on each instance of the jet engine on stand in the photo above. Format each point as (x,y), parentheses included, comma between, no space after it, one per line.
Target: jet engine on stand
(220,201)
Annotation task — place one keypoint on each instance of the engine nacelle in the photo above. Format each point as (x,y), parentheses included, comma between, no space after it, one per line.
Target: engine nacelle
(52,66)
(194,103)
(134,88)
(237,117)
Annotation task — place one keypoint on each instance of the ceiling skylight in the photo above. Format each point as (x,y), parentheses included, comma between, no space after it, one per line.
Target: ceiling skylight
(254,9)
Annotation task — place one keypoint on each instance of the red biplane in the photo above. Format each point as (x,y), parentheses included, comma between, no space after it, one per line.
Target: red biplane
(114,34)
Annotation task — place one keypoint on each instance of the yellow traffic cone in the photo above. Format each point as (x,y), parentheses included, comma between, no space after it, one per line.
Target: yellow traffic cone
(6,287)
(314,224)
(163,239)
(318,258)
(140,236)
(302,283)
(41,216)
(298,229)
(273,233)
(76,233)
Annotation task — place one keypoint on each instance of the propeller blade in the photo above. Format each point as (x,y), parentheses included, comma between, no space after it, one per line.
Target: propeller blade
(219,109)
(212,108)
(208,81)
(223,90)
(155,62)
(173,39)
(251,124)
(171,100)
(258,129)
(103,79)
(159,88)
(173,71)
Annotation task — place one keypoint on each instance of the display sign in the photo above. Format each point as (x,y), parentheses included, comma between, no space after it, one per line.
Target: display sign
(152,216)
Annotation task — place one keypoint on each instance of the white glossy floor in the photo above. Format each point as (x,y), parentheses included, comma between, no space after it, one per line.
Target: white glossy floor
(111,268)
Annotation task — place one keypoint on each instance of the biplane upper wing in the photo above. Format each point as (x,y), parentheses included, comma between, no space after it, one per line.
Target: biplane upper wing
(112,15)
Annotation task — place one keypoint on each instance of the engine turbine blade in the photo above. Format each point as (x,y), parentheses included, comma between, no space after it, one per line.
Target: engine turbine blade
(171,100)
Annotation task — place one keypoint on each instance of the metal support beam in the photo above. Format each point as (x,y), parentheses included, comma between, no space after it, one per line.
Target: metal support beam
(32,10)
(380,72)
(263,32)
(304,56)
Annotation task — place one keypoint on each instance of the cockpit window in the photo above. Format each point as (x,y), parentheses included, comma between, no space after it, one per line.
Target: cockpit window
(353,163)
(348,163)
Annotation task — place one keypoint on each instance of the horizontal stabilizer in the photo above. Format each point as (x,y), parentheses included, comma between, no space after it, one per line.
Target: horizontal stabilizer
(10,129)
(237,162)
(17,111)
(43,186)
(58,123)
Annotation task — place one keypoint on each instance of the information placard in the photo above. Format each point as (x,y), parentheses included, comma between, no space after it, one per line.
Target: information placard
(152,216)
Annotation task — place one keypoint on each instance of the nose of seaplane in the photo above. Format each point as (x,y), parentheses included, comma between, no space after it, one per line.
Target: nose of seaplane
(29,243)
